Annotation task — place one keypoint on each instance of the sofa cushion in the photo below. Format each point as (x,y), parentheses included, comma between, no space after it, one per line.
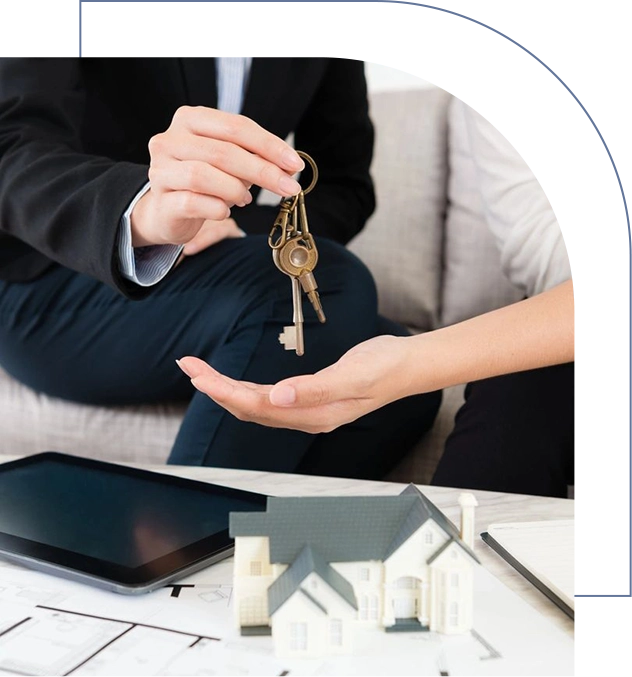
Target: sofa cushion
(473,280)
(402,242)
(31,422)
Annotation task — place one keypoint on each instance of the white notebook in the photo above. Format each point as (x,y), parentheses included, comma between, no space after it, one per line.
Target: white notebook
(543,552)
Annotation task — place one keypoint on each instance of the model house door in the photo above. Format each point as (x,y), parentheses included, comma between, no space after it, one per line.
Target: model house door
(406,601)
(405,607)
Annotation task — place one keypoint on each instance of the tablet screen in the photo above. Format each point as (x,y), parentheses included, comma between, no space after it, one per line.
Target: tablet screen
(110,513)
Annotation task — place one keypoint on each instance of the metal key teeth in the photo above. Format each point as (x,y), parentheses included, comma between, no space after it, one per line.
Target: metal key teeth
(315,300)
(289,338)
(308,282)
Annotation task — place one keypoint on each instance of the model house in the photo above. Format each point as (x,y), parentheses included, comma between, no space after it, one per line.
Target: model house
(310,570)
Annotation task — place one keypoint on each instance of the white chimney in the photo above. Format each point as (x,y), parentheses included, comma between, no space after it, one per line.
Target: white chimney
(467,502)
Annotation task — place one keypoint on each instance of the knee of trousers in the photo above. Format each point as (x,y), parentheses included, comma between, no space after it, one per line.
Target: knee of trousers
(343,278)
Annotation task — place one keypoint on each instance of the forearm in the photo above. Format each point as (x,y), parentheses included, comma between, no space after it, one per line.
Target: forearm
(537,332)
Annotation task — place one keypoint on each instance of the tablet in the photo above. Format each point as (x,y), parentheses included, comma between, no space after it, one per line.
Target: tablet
(115,527)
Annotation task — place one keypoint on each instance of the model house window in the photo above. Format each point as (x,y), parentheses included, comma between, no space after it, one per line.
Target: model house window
(428,538)
(454,580)
(255,568)
(253,611)
(364,608)
(373,608)
(365,573)
(335,632)
(454,614)
(298,636)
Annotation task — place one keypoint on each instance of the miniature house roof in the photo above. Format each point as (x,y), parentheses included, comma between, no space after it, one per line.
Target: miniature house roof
(444,547)
(307,562)
(342,528)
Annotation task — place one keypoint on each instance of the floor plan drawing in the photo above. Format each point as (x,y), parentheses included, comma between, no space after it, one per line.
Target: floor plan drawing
(55,642)
(49,626)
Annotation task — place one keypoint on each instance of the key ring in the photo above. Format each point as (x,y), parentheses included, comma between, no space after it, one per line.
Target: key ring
(278,234)
(312,164)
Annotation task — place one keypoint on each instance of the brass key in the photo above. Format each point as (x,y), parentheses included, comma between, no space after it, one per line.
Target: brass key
(294,253)
(292,336)
(298,258)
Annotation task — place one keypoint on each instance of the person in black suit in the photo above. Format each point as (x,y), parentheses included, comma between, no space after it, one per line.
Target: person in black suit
(106,279)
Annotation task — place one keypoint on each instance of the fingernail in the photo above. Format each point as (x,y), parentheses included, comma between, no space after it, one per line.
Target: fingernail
(227,213)
(184,369)
(246,200)
(292,160)
(243,232)
(289,186)
(282,396)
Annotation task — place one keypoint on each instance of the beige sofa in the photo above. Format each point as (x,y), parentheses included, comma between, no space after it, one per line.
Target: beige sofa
(428,246)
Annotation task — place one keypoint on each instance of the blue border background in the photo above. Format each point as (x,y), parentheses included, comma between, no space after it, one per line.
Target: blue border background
(555,76)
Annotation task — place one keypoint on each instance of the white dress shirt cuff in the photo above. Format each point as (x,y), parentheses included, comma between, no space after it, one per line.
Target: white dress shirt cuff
(145,266)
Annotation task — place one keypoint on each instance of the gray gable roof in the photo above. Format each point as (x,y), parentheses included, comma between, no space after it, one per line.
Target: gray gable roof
(441,550)
(341,528)
(307,562)
(313,600)
(422,508)
(417,515)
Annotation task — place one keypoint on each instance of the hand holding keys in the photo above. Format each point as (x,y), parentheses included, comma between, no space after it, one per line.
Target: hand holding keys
(294,253)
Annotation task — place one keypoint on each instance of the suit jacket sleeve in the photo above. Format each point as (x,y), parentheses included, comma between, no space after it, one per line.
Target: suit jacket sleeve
(336,131)
(63,202)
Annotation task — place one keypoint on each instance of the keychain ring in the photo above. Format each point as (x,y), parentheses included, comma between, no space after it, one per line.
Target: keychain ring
(308,159)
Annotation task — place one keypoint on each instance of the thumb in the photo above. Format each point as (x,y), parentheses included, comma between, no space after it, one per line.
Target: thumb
(312,390)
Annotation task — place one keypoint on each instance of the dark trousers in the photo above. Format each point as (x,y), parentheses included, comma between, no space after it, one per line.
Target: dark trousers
(72,337)
(514,433)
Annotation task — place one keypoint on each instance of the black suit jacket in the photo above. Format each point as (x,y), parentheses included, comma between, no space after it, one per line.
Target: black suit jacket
(73,149)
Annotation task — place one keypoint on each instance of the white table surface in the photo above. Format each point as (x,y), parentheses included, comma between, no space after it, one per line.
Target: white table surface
(493,507)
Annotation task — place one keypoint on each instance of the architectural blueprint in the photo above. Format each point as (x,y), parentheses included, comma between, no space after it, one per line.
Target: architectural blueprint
(49,626)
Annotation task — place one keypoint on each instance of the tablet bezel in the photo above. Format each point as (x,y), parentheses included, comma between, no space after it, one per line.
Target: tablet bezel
(115,576)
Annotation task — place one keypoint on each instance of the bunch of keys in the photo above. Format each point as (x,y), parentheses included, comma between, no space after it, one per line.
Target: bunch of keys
(294,253)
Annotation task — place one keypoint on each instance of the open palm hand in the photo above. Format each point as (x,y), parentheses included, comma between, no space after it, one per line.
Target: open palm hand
(368,376)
